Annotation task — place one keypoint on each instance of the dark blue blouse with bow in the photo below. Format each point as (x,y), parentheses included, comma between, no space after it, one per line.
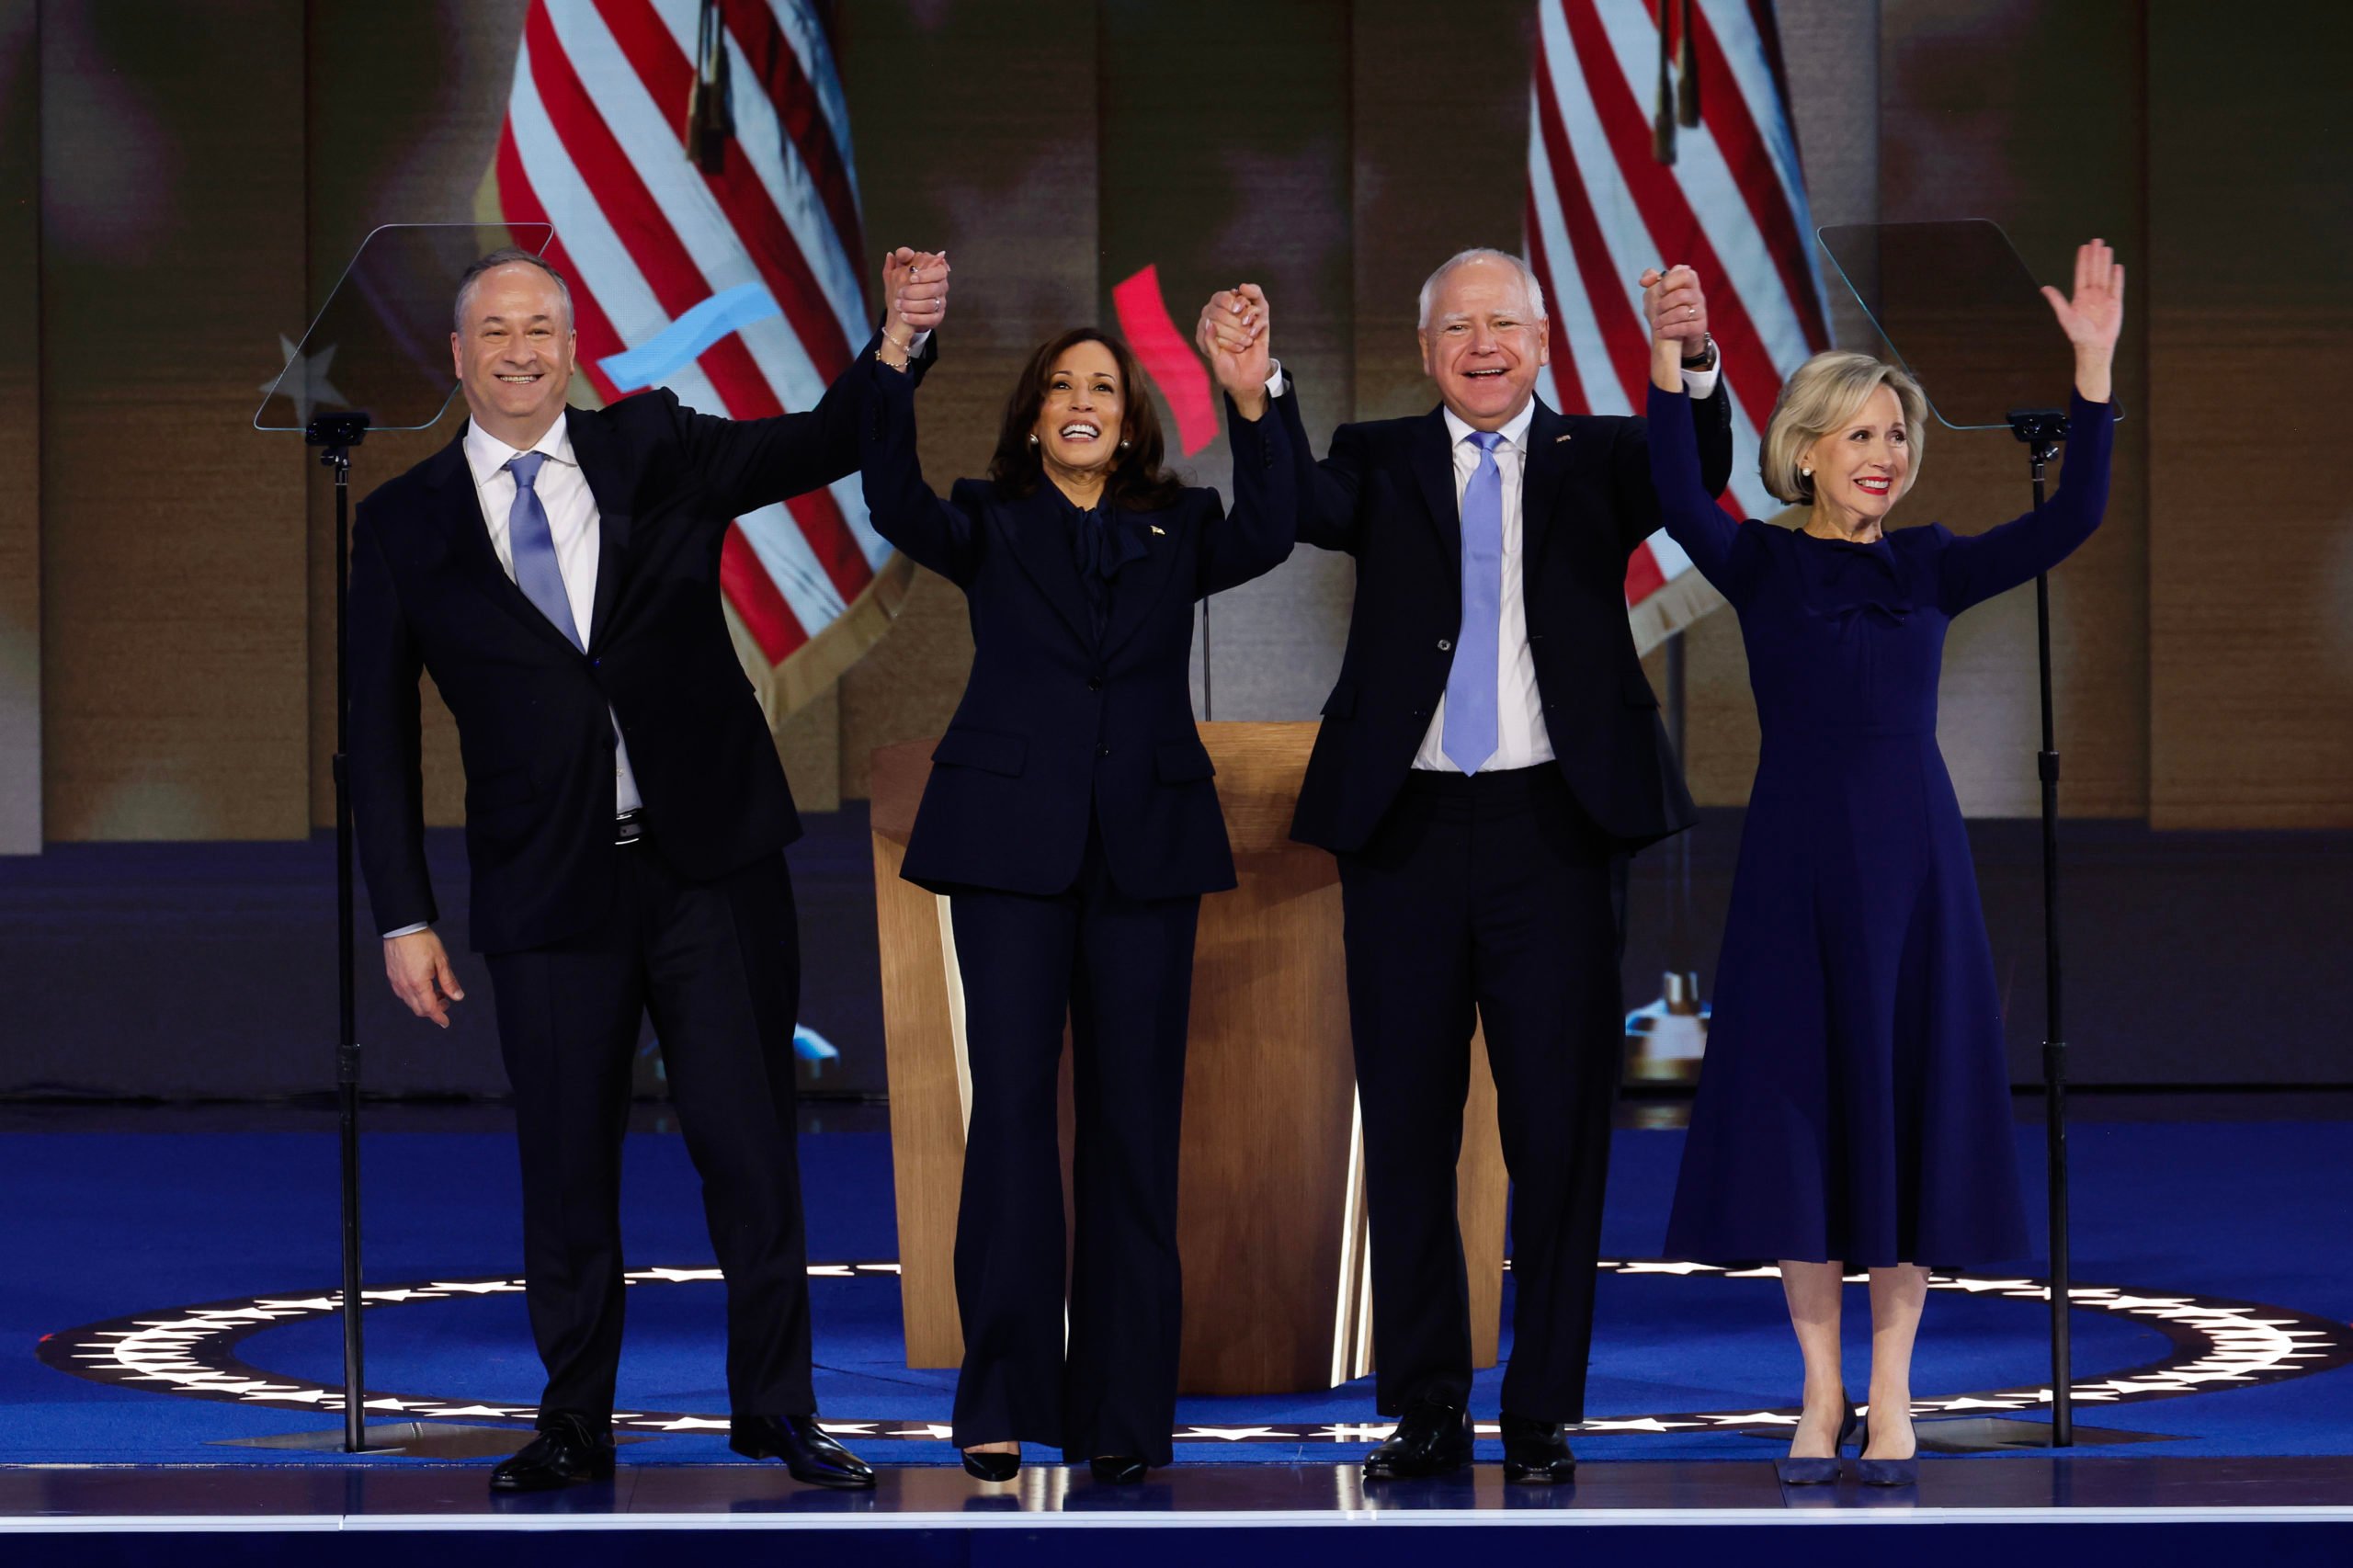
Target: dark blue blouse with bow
(1079,710)
(1855,1106)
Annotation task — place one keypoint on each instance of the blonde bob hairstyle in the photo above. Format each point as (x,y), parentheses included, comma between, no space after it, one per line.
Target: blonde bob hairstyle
(1826,392)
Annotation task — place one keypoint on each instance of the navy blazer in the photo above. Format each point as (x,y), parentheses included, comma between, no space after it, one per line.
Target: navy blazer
(535,714)
(1056,730)
(1386,495)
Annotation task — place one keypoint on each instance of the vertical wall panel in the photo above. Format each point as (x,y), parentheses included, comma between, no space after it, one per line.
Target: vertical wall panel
(19,427)
(1248,180)
(975,126)
(2030,112)
(403,110)
(172,542)
(2249,299)
(1830,49)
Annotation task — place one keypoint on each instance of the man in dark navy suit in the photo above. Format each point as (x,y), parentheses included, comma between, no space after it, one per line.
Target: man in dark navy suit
(1488,757)
(557,574)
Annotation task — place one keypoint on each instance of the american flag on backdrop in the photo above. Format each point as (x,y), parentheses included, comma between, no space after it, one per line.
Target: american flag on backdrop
(1659,132)
(694,158)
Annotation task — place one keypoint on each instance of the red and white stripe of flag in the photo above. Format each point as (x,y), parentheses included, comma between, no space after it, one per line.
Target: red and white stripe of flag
(1601,208)
(593,144)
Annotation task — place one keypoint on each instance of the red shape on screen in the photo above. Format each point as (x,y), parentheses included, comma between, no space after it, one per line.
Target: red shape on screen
(1170,362)
(1643,577)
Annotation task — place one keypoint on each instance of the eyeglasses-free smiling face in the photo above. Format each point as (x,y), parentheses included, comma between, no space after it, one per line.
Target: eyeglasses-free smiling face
(1083,417)
(1484,343)
(1861,467)
(513,354)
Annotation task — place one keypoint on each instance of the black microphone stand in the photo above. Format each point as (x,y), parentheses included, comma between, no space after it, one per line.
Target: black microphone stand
(336,434)
(2042,430)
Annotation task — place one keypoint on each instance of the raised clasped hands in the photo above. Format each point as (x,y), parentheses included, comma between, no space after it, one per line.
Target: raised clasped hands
(419,967)
(914,291)
(1235,335)
(1677,309)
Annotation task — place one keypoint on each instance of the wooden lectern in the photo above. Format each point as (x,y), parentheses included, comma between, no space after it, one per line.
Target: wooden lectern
(1271,1223)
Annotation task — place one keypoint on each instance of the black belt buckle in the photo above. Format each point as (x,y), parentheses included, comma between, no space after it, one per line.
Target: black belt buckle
(630,826)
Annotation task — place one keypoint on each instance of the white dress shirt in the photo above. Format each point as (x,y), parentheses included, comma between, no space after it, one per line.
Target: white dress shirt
(572,524)
(1521,739)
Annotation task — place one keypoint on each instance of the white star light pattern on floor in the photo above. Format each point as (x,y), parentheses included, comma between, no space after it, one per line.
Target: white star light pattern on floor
(191,1351)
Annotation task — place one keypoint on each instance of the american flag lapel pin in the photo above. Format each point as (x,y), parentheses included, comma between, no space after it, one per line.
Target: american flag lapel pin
(1158,530)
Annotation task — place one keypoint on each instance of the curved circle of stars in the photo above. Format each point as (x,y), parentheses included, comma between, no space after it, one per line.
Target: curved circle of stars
(193,1351)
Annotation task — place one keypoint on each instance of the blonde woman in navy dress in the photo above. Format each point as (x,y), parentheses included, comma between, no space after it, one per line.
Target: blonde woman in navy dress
(1854,1111)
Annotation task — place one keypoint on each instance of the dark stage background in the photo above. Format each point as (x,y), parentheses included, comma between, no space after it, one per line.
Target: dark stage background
(182,182)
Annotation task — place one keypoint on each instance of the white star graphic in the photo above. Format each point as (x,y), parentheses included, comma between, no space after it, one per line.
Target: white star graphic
(1232,1433)
(304,380)
(1646,1424)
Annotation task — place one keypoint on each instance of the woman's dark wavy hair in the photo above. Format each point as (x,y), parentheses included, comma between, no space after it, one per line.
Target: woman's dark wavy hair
(1138,481)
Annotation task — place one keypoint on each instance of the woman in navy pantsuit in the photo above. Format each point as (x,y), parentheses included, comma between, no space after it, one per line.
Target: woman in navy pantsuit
(1854,1110)
(1072,820)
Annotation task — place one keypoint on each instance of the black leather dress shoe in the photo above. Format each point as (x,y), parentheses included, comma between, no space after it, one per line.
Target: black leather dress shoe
(1117,1470)
(990,1466)
(1536,1451)
(567,1452)
(1431,1439)
(806,1451)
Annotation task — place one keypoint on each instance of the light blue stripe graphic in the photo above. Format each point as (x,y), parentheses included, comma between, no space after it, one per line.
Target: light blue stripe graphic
(678,344)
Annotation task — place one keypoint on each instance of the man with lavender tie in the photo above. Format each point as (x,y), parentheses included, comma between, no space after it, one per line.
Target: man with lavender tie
(1488,759)
(556,572)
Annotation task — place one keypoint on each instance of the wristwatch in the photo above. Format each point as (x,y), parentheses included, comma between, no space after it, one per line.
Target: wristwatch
(1703,360)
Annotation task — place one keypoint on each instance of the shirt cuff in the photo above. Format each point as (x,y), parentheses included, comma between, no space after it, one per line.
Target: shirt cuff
(1274,378)
(914,344)
(1702,383)
(409,930)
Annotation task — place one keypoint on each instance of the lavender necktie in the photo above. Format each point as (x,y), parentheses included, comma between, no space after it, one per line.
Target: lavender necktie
(1470,737)
(536,571)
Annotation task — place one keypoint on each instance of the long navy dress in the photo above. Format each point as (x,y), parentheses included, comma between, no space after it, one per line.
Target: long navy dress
(1855,1105)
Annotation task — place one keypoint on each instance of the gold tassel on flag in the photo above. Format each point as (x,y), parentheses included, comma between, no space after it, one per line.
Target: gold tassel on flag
(708,121)
(1687,70)
(1662,126)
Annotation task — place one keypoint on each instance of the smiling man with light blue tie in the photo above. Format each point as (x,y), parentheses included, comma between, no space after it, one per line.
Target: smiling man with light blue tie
(1488,757)
(556,572)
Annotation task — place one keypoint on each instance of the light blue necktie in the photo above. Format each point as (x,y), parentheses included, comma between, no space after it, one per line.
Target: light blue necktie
(536,571)
(1470,737)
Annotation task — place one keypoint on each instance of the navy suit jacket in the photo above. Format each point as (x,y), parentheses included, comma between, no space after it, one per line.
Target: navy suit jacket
(1057,729)
(535,714)
(1386,495)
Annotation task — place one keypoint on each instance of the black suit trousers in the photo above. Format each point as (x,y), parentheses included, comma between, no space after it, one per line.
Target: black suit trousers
(717,965)
(1122,970)
(1488,899)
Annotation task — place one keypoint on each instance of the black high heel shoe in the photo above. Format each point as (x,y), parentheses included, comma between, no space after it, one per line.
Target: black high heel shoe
(1816,1471)
(1117,1470)
(1888,1472)
(991,1467)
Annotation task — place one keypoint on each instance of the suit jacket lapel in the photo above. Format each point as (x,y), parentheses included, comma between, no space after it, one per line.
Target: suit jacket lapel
(1550,452)
(1043,545)
(1431,454)
(459,514)
(1140,584)
(592,446)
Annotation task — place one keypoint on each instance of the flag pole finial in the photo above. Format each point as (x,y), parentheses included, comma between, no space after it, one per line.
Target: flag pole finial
(709,121)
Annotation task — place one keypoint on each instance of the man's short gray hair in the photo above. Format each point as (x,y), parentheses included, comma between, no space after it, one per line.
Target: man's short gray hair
(1481,252)
(507,256)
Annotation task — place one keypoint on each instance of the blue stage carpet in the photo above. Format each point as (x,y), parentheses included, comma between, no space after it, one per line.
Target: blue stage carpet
(102,1225)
